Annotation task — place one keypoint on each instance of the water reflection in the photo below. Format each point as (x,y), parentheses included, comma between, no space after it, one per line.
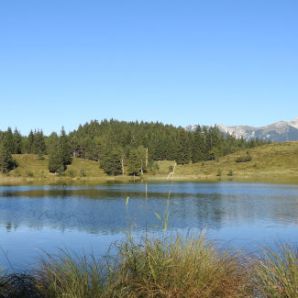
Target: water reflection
(88,217)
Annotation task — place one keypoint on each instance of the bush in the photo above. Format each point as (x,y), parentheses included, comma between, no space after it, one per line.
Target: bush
(244,158)
(153,167)
(230,173)
(71,173)
(83,173)
(7,163)
(29,174)
(19,286)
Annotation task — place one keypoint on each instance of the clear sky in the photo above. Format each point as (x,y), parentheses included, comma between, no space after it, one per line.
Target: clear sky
(65,62)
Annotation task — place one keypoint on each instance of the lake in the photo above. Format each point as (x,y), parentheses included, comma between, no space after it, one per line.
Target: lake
(92,220)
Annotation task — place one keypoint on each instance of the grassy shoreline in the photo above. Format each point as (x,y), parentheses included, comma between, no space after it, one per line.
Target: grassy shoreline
(160,268)
(273,163)
(77,181)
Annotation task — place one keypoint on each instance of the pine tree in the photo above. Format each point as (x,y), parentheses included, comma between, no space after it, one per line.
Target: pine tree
(56,163)
(18,142)
(6,161)
(65,148)
(137,161)
(111,162)
(198,145)
(39,145)
(30,142)
(134,164)
(183,155)
(8,140)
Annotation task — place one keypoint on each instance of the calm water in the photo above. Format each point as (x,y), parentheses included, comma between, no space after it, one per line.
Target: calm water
(35,220)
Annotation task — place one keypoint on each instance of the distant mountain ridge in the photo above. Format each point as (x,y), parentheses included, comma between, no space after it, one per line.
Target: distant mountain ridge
(281,131)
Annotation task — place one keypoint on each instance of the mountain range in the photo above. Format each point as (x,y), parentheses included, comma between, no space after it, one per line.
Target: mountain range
(281,131)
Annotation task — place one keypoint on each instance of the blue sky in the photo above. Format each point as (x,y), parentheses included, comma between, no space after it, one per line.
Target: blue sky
(180,62)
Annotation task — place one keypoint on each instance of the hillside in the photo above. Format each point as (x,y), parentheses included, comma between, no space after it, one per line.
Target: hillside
(33,170)
(276,162)
(269,163)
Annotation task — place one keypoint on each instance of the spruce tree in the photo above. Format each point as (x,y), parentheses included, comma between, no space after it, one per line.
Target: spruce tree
(183,155)
(39,145)
(30,142)
(56,163)
(18,142)
(64,146)
(137,162)
(6,161)
(111,162)
(9,142)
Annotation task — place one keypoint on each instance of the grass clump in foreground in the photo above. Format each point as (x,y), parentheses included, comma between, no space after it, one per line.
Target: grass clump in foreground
(277,274)
(178,269)
(155,268)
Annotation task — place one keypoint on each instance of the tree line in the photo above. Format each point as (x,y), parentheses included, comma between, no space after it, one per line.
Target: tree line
(128,148)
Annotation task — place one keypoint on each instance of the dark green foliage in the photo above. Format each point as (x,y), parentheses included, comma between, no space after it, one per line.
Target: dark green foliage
(137,164)
(19,286)
(7,163)
(56,163)
(111,161)
(198,145)
(18,142)
(153,167)
(35,143)
(9,141)
(135,145)
(60,153)
(39,145)
(230,173)
(65,148)
(183,153)
(134,163)
(29,143)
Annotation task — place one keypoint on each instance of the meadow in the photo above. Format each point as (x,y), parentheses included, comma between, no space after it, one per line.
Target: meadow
(276,163)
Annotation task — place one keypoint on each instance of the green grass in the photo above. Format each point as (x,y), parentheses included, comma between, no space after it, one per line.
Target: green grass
(32,170)
(277,163)
(269,163)
(277,274)
(160,269)
(180,268)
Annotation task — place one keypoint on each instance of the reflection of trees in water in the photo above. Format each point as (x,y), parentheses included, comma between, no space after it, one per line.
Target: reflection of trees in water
(104,211)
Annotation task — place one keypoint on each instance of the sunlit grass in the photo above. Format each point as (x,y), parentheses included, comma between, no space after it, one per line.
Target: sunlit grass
(178,268)
(276,163)
(277,274)
(160,268)
(66,276)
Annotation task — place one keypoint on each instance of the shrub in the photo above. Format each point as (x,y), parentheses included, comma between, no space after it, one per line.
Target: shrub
(29,174)
(83,173)
(71,173)
(244,158)
(230,173)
